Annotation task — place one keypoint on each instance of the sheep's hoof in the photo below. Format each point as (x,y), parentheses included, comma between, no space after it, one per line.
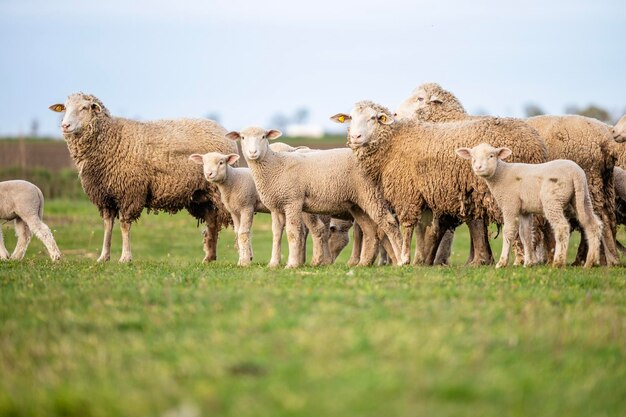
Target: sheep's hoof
(103,258)
(273,264)
(124,259)
(291,266)
(500,264)
(244,262)
(353,262)
(56,257)
(208,259)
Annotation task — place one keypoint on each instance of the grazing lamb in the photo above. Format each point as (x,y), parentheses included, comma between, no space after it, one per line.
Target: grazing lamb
(546,189)
(241,198)
(126,165)
(583,140)
(413,163)
(322,182)
(619,130)
(22,202)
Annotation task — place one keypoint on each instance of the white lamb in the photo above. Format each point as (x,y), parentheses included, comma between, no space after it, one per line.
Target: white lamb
(22,202)
(547,189)
(241,198)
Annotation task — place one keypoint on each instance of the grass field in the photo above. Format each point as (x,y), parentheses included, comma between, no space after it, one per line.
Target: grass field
(168,336)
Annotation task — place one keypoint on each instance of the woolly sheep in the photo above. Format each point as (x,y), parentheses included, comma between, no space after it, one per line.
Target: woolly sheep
(619,130)
(241,198)
(126,165)
(581,139)
(324,182)
(22,202)
(547,189)
(620,182)
(406,159)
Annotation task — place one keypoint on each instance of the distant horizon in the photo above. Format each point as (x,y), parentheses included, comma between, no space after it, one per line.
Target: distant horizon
(249,62)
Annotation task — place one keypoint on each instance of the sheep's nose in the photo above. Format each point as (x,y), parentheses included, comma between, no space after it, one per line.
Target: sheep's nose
(65,125)
(356,136)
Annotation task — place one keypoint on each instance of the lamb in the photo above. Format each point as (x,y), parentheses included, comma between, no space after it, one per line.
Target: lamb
(126,165)
(241,198)
(22,202)
(546,189)
(405,159)
(619,175)
(323,182)
(619,130)
(583,140)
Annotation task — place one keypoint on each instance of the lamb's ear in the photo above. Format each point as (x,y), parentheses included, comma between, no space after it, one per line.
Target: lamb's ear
(503,153)
(273,134)
(232,158)
(197,158)
(57,107)
(341,118)
(233,135)
(384,119)
(302,147)
(435,99)
(465,153)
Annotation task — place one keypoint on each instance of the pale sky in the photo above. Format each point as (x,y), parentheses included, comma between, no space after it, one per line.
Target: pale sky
(248,60)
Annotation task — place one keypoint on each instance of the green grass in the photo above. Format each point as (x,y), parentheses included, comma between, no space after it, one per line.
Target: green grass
(168,336)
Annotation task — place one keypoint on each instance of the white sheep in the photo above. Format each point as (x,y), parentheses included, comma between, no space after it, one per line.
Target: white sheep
(241,198)
(619,130)
(22,202)
(547,189)
(324,182)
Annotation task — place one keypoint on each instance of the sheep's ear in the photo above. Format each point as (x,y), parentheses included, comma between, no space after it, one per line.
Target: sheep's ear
(465,153)
(57,107)
(435,99)
(384,119)
(341,118)
(503,153)
(197,158)
(232,158)
(96,107)
(233,135)
(302,147)
(273,134)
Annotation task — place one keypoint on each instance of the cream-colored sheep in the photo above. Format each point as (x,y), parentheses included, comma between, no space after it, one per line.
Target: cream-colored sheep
(619,130)
(619,175)
(323,182)
(547,189)
(22,202)
(241,198)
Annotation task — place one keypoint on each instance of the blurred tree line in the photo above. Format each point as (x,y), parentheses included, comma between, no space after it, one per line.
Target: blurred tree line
(591,110)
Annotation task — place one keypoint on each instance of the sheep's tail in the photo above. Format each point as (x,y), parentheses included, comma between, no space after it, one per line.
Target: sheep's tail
(587,218)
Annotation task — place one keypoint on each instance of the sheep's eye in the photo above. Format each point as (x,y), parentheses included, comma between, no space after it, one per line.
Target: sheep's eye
(420,99)
(490,156)
(221,162)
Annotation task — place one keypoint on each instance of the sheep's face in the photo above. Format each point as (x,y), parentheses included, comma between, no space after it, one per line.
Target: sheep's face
(484,158)
(619,130)
(363,124)
(254,141)
(420,99)
(214,165)
(79,110)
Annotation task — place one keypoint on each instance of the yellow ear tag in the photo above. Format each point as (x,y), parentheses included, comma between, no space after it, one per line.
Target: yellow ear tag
(383,118)
(341,119)
(58,108)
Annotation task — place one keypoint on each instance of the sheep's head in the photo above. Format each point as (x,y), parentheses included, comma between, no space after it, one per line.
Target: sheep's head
(429,102)
(484,158)
(214,164)
(79,110)
(365,120)
(619,130)
(254,141)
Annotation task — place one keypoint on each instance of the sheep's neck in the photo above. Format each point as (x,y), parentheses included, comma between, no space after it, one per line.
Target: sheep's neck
(263,168)
(372,157)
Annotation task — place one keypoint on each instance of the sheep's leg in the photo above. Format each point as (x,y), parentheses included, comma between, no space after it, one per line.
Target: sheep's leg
(357,238)
(244,237)
(583,249)
(4,254)
(444,250)
(509,232)
(127,256)
(388,223)
(43,233)
(608,241)
(293,221)
(303,242)
(407,237)
(369,244)
(554,214)
(420,244)
(525,233)
(235,218)
(385,252)
(210,236)
(23,239)
(278,224)
(319,233)
(108,219)
(480,247)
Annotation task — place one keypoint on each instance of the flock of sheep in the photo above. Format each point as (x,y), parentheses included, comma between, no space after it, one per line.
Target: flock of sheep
(403,173)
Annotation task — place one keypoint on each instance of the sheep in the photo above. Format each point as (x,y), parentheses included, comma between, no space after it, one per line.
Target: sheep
(619,175)
(22,202)
(583,140)
(413,162)
(283,147)
(619,130)
(546,189)
(126,165)
(323,182)
(241,198)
